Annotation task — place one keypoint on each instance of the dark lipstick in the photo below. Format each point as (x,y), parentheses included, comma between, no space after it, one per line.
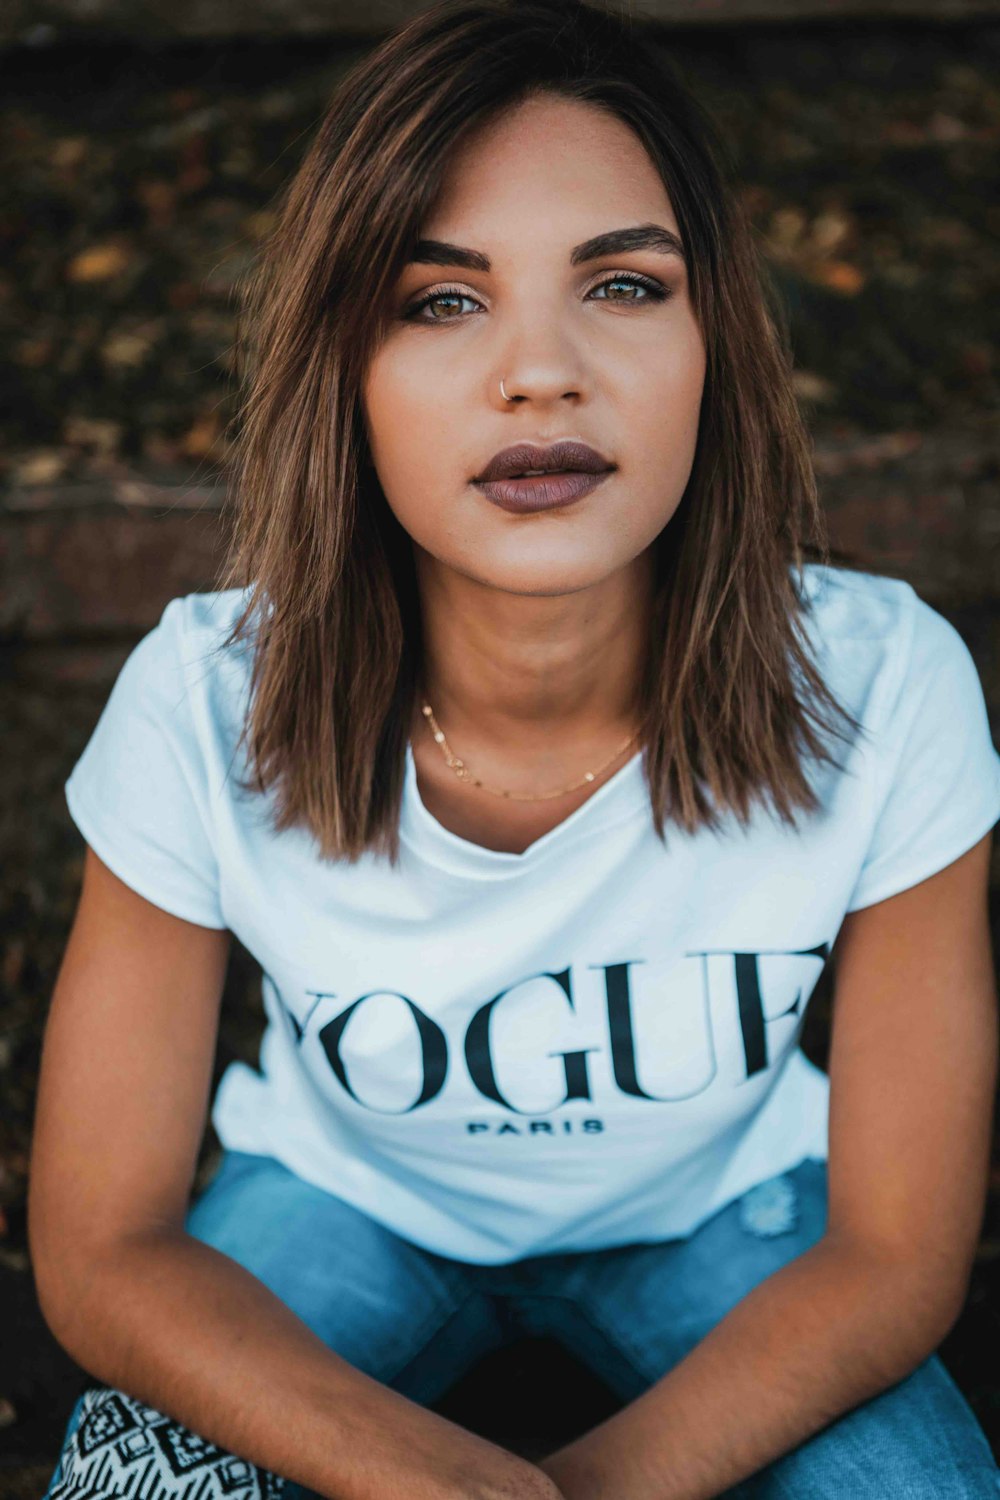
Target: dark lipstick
(527,477)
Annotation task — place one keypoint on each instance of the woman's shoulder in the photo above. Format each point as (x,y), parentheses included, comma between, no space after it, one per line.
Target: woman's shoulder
(204,619)
(895,661)
(184,677)
(190,646)
(849,604)
(146,790)
(861,618)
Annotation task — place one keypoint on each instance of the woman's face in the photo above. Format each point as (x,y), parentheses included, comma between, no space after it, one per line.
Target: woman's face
(590,355)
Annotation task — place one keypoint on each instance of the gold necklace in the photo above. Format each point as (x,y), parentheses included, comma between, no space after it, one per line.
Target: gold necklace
(463,773)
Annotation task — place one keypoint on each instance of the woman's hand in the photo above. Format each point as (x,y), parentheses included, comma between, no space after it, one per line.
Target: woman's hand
(491,1472)
(418,1454)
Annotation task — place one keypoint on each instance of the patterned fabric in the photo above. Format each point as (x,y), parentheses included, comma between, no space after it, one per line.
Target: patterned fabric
(121,1449)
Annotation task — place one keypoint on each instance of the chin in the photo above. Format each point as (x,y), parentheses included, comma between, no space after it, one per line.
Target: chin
(546,577)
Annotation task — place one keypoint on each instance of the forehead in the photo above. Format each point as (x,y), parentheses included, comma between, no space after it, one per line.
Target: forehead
(565,167)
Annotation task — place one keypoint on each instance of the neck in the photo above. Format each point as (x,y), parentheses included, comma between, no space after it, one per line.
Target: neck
(527,679)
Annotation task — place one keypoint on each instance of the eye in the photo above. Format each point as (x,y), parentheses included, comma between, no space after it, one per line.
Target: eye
(445,294)
(634,279)
(452,296)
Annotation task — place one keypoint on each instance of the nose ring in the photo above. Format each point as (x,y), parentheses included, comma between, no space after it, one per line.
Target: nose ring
(503,392)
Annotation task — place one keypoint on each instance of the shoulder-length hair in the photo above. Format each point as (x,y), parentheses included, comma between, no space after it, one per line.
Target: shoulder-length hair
(732,700)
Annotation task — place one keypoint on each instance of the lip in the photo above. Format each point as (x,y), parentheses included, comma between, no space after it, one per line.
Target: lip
(540,491)
(571,469)
(566,453)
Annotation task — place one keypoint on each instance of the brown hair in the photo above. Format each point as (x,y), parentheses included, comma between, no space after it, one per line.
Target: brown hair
(731,697)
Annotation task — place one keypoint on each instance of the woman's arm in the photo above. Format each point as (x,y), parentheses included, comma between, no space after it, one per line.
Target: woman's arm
(147,1308)
(913,1072)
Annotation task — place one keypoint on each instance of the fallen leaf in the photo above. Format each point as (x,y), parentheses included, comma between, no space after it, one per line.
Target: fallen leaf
(839,275)
(944,127)
(96,433)
(830,230)
(787,226)
(39,468)
(98,263)
(201,437)
(68,152)
(812,387)
(34,352)
(159,199)
(260,224)
(125,350)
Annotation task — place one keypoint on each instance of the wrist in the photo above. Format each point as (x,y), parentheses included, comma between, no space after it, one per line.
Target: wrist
(478,1469)
(576,1472)
(538,1484)
(526,1481)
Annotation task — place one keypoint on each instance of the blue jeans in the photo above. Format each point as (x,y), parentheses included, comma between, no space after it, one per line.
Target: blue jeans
(416,1321)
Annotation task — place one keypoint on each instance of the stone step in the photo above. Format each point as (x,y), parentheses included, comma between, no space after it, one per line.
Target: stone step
(100,558)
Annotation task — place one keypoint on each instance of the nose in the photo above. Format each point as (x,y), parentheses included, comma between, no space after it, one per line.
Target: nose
(527,390)
(537,368)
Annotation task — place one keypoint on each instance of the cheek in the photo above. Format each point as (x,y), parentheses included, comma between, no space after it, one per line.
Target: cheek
(386,396)
(668,372)
(413,382)
(411,441)
(659,406)
(394,412)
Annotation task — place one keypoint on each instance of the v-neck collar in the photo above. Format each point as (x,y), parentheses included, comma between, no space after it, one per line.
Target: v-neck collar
(621,796)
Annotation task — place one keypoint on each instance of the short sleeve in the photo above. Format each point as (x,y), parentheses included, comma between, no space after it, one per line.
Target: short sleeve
(139,793)
(939,771)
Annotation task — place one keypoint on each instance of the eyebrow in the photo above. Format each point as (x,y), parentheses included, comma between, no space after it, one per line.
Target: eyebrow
(613,242)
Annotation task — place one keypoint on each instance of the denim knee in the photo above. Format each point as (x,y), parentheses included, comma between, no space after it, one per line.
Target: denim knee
(770,1208)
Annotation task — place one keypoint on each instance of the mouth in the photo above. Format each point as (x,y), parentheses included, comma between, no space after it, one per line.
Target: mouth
(528,477)
(529,459)
(545,491)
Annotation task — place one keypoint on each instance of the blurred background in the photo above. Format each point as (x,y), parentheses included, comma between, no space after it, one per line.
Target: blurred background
(142,149)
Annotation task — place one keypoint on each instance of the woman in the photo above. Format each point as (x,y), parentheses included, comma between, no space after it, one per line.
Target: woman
(541,756)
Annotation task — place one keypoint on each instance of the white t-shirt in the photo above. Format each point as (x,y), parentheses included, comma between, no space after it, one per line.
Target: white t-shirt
(591,1043)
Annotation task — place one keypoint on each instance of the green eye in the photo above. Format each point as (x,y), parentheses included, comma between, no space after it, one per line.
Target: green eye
(652,290)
